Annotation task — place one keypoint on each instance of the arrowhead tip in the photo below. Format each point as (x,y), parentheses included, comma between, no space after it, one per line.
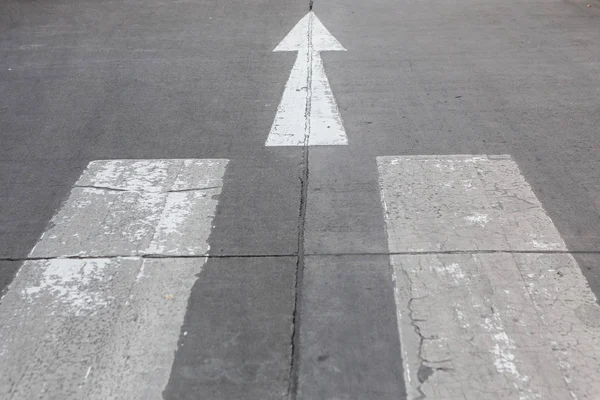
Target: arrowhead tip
(309,26)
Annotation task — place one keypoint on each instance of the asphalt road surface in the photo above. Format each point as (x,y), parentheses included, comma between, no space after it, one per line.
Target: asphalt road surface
(402,201)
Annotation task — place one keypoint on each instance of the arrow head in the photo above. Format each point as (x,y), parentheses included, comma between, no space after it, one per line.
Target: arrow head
(309,26)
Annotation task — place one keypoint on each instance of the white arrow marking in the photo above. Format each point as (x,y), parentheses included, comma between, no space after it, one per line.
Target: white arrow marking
(308,113)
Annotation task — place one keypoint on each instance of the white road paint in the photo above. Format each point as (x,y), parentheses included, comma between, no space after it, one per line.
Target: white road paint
(490,303)
(308,113)
(105,325)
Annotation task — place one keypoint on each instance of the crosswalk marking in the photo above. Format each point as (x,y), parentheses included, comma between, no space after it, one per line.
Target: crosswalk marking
(98,312)
(489,299)
(490,302)
(308,113)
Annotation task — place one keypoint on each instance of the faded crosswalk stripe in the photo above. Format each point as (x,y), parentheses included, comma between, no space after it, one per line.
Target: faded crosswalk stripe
(490,303)
(97,312)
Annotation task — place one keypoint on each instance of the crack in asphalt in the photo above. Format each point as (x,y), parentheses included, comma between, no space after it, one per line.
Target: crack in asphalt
(112,189)
(295,337)
(425,370)
(426,367)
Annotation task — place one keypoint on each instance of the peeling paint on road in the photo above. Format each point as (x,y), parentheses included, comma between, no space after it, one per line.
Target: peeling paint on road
(503,317)
(105,324)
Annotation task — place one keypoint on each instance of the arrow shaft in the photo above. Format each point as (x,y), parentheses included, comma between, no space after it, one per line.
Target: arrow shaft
(307,113)
(324,120)
(290,126)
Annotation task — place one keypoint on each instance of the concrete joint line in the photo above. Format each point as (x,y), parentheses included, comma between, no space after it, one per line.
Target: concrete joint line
(288,255)
(295,338)
(150,256)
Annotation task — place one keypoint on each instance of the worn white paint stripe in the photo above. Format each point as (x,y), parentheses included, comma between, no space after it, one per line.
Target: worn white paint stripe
(107,326)
(308,113)
(135,207)
(502,325)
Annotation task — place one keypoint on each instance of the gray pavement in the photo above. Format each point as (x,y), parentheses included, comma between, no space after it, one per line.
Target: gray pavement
(297,299)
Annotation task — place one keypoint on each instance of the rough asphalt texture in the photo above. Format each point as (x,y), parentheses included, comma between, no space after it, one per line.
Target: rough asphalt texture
(91,80)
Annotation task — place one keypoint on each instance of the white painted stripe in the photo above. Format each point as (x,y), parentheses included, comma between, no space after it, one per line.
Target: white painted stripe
(501,325)
(135,207)
(107,326)
(308,113)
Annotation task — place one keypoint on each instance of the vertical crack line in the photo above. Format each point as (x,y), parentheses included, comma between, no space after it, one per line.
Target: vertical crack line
(309,74)
(295,339)
(310,5)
